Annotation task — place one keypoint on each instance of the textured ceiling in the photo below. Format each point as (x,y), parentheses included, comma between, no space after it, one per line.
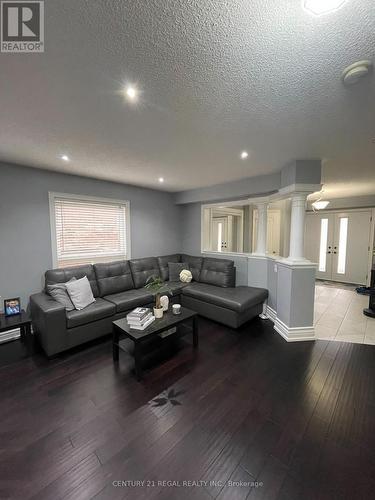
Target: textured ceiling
(216,76)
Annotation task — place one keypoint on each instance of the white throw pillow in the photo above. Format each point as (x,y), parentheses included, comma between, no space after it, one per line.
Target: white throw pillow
(80,293)
(186,276)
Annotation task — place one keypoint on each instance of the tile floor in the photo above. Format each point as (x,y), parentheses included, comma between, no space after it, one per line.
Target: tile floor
(338,315)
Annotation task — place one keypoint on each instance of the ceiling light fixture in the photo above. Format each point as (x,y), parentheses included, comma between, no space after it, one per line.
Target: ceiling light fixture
(161,179)
(320,205)
(131,93)
(65,158)
(244,155)
(319,7)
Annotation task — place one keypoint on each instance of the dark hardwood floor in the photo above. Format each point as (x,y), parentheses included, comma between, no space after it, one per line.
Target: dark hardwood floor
(247,416)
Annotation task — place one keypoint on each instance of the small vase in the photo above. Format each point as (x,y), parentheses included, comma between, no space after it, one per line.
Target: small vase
(158,313)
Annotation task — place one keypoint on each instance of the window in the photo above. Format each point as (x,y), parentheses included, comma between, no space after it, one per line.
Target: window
(323,245)
(86,230)
(341,262)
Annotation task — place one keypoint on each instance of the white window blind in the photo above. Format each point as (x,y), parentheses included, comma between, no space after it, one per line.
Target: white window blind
(89,230)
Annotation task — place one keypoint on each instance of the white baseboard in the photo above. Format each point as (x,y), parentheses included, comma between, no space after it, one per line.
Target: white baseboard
(290,334)
(271,313)
(294,334)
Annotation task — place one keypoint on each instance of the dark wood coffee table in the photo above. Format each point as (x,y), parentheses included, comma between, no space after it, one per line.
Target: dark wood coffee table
(169,320)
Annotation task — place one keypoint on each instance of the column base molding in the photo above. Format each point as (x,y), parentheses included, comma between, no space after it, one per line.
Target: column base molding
(294,334)
(290,334)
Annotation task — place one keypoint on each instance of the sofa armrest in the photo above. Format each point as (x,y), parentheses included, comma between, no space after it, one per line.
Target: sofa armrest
(49,323)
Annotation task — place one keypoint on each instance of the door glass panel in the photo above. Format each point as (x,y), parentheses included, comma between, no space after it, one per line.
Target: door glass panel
(323,245)
(341,263)
(219,236)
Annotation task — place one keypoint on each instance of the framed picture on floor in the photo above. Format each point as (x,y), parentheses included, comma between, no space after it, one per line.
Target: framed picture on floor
(12,307)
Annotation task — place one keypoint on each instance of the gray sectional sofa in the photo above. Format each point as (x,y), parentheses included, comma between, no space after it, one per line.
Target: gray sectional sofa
(118,287)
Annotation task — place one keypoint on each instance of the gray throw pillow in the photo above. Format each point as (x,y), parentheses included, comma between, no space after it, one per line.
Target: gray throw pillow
(59,292)
(175,268)
(80,293)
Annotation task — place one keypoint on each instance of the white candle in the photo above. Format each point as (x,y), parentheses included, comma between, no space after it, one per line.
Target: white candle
(176,308)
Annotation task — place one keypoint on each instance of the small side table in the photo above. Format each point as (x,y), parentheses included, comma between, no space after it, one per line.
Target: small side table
(22,321)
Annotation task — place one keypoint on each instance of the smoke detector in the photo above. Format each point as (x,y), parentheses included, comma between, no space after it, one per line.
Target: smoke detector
(353,73)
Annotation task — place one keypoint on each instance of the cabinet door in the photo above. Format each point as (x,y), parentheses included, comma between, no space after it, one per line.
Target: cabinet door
(319,231)
(351,247)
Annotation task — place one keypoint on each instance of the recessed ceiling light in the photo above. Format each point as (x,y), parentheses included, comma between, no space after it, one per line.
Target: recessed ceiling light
(65,158)
(244,155)
(131,93)
(319,7)
(161,179)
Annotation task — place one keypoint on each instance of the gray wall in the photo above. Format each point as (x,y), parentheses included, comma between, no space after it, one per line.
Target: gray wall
(191,228)
(25,239)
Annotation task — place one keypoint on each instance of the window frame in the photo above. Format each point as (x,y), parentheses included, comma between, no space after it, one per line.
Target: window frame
(52,196)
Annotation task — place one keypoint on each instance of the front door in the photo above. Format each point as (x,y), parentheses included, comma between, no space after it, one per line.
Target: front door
(351,245)
(339,243)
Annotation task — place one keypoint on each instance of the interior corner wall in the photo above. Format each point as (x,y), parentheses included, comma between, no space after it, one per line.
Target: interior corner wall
(25,237)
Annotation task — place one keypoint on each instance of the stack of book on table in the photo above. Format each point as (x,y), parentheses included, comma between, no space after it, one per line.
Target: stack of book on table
(140,318)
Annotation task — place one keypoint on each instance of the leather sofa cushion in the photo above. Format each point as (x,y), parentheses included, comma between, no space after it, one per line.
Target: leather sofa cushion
(195,265)
(237,299)
(125,301)
(219,272)
(163,264)
(65,274)
(98,310)
(143,269)
(113,277)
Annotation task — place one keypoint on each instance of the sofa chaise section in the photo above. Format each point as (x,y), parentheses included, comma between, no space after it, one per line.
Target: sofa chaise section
(231,306)
(216,297)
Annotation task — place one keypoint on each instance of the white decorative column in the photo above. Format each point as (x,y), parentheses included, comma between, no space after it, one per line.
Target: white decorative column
(296,280)
(261,246)
(257,266)
(297,227)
